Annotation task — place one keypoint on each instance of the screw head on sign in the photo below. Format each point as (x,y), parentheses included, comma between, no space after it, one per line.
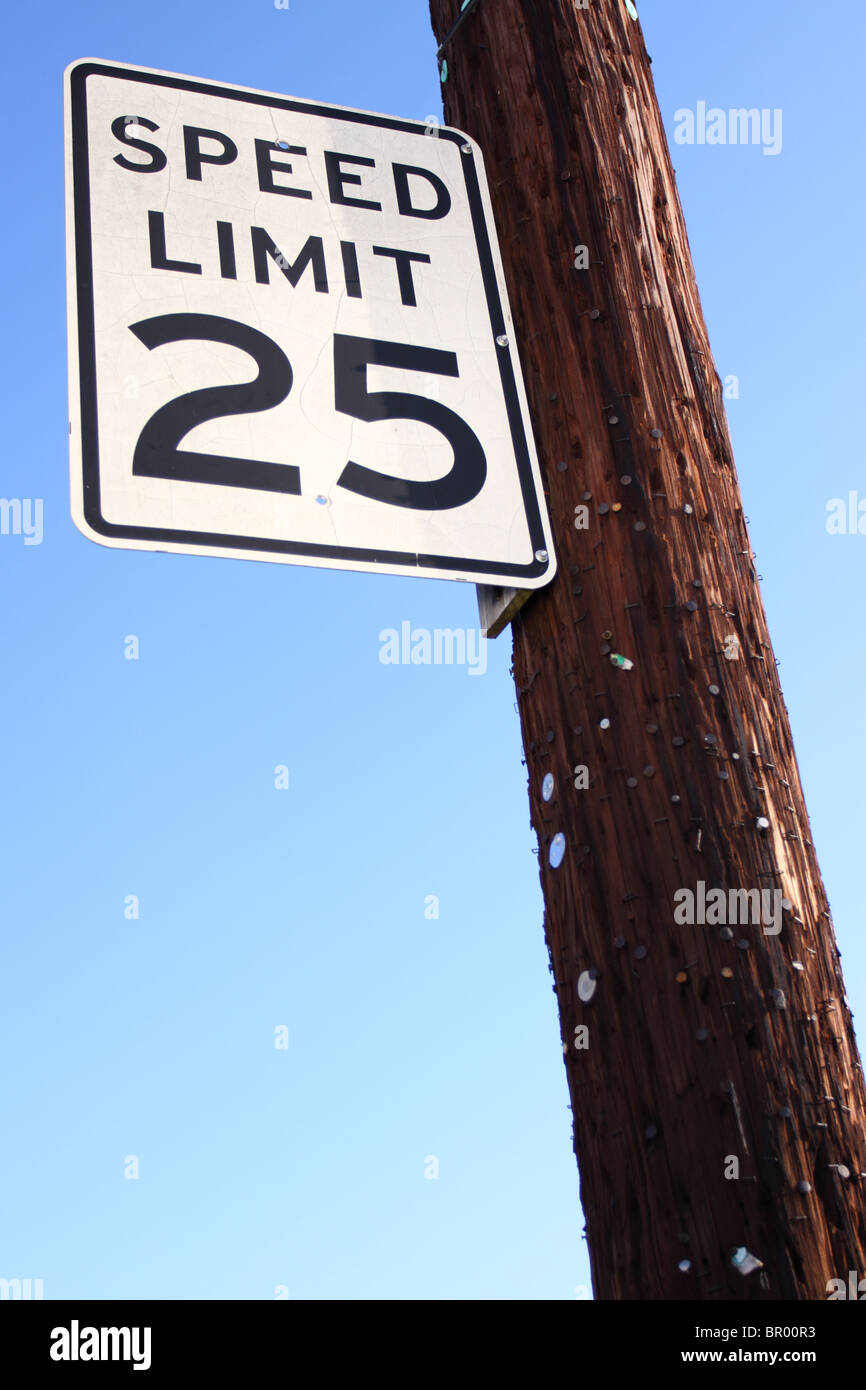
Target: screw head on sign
(322,501)
(640,952)
(803,1186)
(604,723)
(676,799)
(761,823)
(613,419)
(502,340)
(713,689)
(547,786)
(467,149)
(656,434)
(625,479)
(684,1266)
(603,508)
(541,556)
(688,509)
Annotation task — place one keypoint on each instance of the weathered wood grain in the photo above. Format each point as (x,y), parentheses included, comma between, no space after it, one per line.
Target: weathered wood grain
(679,1072)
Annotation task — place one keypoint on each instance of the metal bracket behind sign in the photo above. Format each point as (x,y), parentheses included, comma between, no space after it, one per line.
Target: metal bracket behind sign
(496,607)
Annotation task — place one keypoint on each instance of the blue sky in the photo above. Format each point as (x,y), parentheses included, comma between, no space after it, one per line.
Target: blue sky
(409,1037)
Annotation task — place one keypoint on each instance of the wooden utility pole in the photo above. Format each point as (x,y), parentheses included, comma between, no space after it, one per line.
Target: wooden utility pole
(717,1093)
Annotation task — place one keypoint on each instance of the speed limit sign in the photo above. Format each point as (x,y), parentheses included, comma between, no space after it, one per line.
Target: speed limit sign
(289,336)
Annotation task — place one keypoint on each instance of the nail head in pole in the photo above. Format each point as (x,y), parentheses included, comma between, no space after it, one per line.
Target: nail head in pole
(586,987)
(743,1260)
(557,850)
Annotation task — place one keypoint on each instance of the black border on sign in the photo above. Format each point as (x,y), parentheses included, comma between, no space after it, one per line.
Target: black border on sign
(87,344)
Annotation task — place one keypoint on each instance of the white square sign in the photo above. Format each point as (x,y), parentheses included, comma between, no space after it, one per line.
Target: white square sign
(290,337)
